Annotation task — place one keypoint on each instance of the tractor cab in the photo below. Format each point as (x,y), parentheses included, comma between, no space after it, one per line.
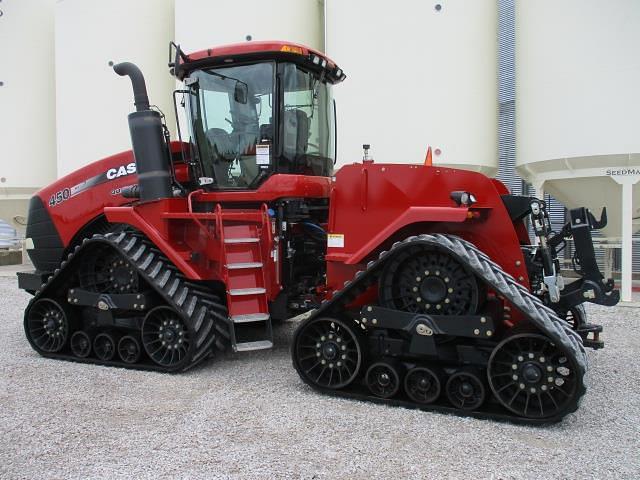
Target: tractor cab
(256,109)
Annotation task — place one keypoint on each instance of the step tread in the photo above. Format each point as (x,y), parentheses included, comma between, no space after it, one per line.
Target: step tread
(257,345)
(250,317)
(241,265)
(242,240)
(246,291)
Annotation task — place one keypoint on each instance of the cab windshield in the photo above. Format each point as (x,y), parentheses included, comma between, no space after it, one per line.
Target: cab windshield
(233,111)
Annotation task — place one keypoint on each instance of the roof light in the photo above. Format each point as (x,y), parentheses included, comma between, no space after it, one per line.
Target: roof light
(338,72)
(324,63)
(316,60)
(291,49)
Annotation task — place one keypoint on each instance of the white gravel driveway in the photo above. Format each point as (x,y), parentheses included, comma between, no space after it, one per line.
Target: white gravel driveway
(249,416)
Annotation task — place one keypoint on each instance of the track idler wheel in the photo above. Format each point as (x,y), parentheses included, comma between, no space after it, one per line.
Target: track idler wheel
(532,377)
(129,349)
(104,346)
(465,390)
(327,352)
(47,326)
(383,379)
(81,344)
(422,385)
(165,337)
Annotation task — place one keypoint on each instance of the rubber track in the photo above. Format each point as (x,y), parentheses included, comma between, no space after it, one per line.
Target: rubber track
(538,314)
(205,318)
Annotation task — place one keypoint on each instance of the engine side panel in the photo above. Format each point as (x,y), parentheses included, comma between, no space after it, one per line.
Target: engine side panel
(80,196)
(374,205)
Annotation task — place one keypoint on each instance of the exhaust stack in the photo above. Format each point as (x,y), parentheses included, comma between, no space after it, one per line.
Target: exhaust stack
(147,140)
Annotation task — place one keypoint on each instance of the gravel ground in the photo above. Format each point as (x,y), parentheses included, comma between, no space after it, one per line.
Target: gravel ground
(249,416)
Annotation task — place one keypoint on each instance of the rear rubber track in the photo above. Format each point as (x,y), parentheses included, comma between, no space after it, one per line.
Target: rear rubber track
(543,318)
(205,318)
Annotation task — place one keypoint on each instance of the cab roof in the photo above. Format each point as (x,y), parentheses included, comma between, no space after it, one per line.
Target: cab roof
(263,50)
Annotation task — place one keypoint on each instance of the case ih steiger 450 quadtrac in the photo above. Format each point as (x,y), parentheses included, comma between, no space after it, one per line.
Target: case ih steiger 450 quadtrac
(422,284)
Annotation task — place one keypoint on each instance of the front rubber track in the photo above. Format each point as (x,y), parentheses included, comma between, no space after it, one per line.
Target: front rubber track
(204,316)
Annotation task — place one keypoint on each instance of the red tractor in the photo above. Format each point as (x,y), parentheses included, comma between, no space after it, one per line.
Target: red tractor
(421,283)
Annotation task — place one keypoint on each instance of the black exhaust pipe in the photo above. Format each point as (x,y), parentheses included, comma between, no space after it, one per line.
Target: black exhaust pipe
(147,140)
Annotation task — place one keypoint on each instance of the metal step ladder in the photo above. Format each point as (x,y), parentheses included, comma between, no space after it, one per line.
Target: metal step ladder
(243,263)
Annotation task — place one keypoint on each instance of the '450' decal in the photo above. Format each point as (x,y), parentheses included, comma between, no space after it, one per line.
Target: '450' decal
(59,197)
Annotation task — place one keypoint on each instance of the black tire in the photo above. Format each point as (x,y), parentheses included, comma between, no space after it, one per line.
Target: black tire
(543,383)
(327,352)
(466,390)
(129,349)
(104,346)
(428,280)
(166,338)
(46,325)
(80,344)
(383,379)
(422,385)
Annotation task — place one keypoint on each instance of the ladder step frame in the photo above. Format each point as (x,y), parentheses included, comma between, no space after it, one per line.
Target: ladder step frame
(250,318)
(244,265)
(255,345)
(241,240)
(237,292)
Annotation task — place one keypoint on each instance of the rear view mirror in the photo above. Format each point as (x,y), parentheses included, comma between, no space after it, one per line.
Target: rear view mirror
(241,93)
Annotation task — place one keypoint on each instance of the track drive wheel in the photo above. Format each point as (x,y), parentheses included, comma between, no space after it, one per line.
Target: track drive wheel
(532,377)
(327,352)
(47,326)
(383,379)
(108,272)
(422,385)
(80,344)
(428,281)
(465,390)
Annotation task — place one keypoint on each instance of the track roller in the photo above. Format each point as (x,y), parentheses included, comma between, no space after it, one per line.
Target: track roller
(422,385)
(383,379)
(129,349)
(81,344)
(465,390)
(104,346)
(327,352)
(47,326)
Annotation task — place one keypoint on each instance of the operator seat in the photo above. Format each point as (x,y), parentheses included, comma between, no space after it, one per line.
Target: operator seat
(296,138)
(223,143)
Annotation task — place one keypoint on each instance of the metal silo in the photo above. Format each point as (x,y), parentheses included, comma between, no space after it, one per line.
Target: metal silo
(418,74)
(577,77)
(202,24)
(92,101)
(27,102)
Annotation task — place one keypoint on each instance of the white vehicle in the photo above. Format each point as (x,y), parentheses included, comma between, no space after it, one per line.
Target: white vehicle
(8,236)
